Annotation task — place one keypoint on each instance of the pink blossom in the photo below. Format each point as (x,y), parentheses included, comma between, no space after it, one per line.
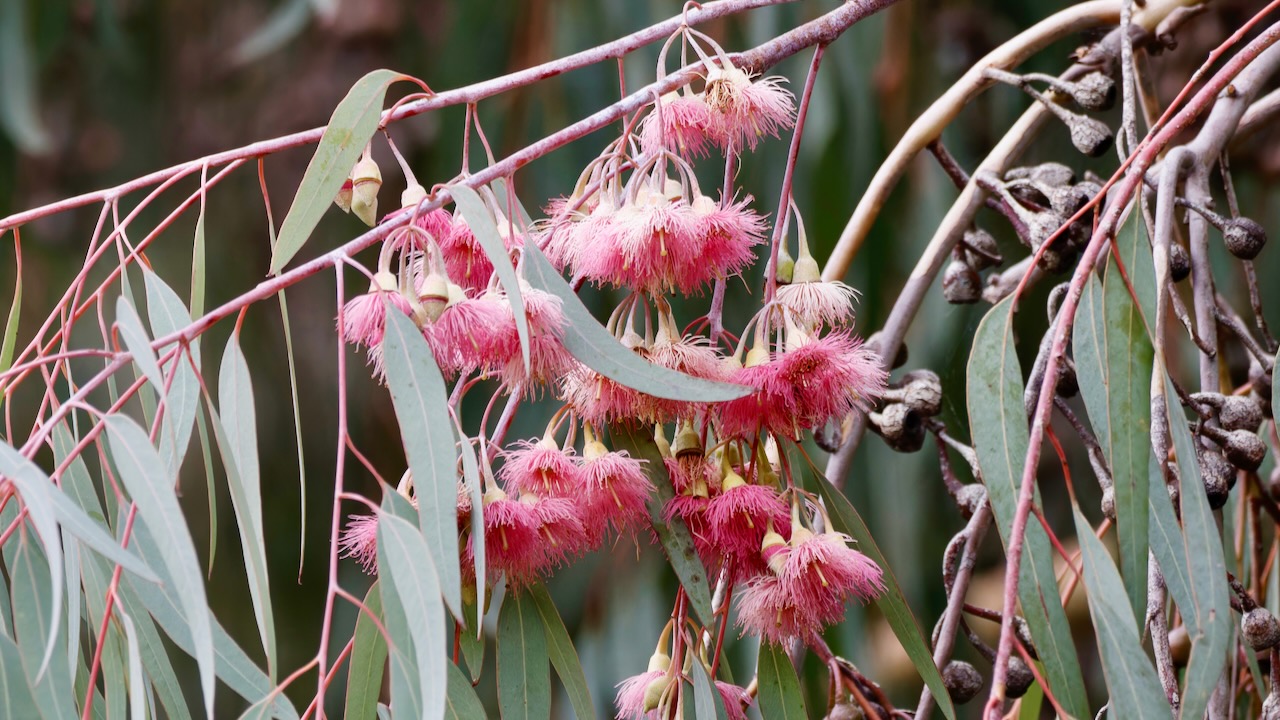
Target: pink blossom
(360,541)
(364,317)
(464,258)
(771,407)
(471,334)
(735,699)
(548,358)
(818,303)
(561,528)
(748,110)
(617,491)
(737,519)
(634,691)
(692,509)
(767,608)
(599,400)
(822,565)
(729,233)
(691,355)
(542,468)
(511,537)
(682,123)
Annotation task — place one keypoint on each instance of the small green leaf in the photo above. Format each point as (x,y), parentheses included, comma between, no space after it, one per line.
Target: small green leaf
(461,702)
(1135,689)
(780,695)
(476,213)
(16,700)
(352,125)
(998,422)
(168,315)
(524,682)
(32,596)
(707,702)
(403,563)
(237,440)
(422,408)
(151,488)
(1208,618)
(10,338)
(676,540)
(564,658)
(892,603)
(137,342)
(368,660)
(599,350)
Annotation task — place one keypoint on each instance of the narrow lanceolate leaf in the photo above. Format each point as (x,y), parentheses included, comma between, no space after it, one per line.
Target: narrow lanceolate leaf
(297,430)
(524,683)
(471,475)
(232,665)
(19,115)
(676,540)
(485,229)
(353,123)
(599,350)
(461,703)
(151,488)
(892,603)
(707,703)
(780,695)
(236,433)
(422,408)
(998,420)
(1113,363)
(1168,544)
(368,660)
(50,678)
(10,338)
(137,343)
(16,700)
(1208,620)
(168,315)
(403,563)
(37,495)
(1134,688)
(40,494)
(564,658)
(138,694)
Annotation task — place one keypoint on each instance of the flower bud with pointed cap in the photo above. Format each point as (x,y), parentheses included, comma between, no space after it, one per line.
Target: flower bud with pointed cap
(687,441)
(413,196)
(366,179)
(343,198)
(774,550)
(786,266)
(660,439)
(433,297)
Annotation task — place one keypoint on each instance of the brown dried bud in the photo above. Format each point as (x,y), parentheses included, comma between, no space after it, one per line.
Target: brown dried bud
(922,392)
(1091,137)
(1240,413)
(900,427)
(981,240)
(963,681)
(1179,262)
(1095,91)
(1068,384)
(1218,475)
(1244,238)
(1019,678)
(1260,629)
(1244,449)
(1049,173)
(1260,382)
(961,284)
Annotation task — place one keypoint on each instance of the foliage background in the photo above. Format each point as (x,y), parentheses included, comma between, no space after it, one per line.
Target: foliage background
(128,86)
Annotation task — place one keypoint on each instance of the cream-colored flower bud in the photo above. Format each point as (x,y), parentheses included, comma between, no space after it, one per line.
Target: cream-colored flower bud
(343,198)
(413,196)
(366,179)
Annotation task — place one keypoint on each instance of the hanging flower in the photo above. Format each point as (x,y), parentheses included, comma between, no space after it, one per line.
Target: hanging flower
(364,317)
(617,491)
(359,541)
(682,123)
(748,110)
(542,467)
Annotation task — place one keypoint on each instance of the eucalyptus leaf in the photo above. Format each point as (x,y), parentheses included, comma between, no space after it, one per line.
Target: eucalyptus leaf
(780,696)
(32,596)
(461,702)
(350,128)
(368,660)
(237,440)
(998,422)
(142,471)
(594,346)
(707,703)
(524,683)
(168,315)
(422,409)
(480,220)
(403,563)
(10,338)
(564,658)
(1135,688)
(676,540)
(16,700)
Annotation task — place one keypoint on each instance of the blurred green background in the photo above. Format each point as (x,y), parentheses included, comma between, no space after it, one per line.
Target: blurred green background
(120,88)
